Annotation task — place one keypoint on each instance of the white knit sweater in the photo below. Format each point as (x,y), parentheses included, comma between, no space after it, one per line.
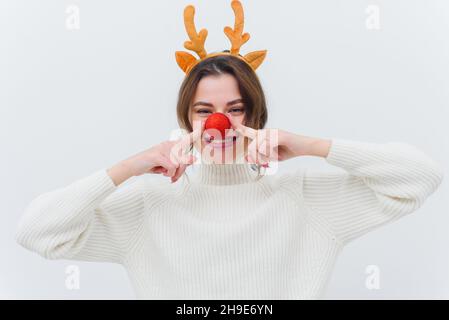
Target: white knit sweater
(220,235)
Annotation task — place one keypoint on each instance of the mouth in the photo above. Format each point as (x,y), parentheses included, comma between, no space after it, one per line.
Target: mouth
(217,143)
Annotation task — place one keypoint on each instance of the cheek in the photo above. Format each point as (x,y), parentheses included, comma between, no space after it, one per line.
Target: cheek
(197,117)
(194,117)
(240,119)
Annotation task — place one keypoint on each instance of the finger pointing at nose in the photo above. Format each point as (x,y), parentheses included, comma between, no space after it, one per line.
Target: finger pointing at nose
(198,128)
(184,142)
(245,131)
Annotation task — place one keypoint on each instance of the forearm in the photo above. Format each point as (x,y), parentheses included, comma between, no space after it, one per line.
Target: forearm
(382,182)
(318,147)
(119,172)
(401,175)
(53,221)
(308,146)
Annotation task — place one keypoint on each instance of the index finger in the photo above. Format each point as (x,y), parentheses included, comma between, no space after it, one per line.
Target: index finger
(192,137)
(244,130)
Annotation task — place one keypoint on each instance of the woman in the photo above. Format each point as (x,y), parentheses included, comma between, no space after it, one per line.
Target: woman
(225,230)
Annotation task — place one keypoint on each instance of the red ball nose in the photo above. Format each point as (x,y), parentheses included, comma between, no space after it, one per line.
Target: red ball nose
(217,121)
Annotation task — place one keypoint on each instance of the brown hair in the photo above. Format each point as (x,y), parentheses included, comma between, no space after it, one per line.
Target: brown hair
(248,82)
(249,86)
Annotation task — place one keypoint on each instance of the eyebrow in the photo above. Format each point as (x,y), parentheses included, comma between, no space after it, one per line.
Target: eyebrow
(202,103)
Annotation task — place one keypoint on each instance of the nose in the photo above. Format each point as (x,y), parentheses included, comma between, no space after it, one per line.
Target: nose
(218,121)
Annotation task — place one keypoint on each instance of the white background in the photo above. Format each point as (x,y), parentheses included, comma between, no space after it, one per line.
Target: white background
(74,101)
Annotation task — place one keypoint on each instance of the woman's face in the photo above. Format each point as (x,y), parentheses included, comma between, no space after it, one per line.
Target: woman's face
(218,94)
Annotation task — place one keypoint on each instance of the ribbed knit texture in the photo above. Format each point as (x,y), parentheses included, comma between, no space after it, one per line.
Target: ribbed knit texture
(223,235)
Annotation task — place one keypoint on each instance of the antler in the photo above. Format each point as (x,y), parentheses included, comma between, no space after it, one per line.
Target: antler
(186,61)
(197,40)
(236,37)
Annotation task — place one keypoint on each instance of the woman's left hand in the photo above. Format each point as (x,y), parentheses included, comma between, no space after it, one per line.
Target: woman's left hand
(267,145)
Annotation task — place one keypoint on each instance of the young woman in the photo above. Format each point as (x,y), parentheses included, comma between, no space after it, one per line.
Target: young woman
(225,230)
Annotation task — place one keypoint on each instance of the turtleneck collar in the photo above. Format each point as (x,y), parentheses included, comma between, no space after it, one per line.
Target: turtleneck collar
(224,174)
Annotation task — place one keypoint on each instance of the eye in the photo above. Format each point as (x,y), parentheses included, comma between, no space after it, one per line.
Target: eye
(203,111)
(237,110)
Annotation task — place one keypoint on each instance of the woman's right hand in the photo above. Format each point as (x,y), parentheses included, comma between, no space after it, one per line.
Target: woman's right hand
(168,158)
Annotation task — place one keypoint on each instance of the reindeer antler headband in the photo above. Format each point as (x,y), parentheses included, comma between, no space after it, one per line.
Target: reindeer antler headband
(186,61)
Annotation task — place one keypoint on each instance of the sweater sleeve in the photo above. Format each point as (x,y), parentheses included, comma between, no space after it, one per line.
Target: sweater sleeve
(91,219)
(379,183)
